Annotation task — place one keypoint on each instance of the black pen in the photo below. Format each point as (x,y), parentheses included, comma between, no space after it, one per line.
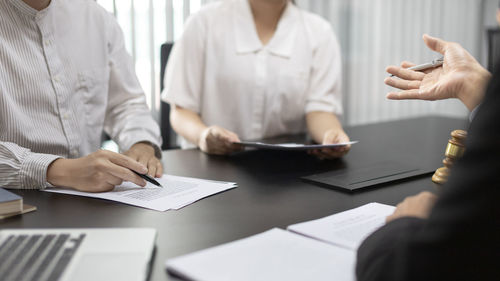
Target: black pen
(148,178)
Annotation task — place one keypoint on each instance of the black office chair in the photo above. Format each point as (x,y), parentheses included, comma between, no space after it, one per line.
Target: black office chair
(167,133)
(493,47)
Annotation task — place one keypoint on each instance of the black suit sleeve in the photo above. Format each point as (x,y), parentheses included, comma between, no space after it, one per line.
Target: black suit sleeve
(461,238)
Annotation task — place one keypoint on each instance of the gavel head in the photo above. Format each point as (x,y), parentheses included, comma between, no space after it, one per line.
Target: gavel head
(456,145)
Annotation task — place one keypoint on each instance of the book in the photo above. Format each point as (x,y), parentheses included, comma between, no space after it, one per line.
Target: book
(323,249)
(10,202)
(12,205)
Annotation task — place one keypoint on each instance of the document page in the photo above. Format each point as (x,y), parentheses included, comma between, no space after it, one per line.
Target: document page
(176,192)
(292,146)
(272,255)
(347,229)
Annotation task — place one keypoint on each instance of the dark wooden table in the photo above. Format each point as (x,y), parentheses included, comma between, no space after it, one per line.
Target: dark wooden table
(269,193)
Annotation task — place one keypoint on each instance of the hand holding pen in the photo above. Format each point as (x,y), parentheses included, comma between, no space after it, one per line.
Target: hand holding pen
(460,76)
(148,178)
(426,66)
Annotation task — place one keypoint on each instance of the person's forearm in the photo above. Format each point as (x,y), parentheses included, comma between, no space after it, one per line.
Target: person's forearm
(22,169)
(187,123)
(318,123)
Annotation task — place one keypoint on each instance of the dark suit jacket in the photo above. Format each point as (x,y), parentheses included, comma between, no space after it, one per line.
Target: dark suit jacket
(461,238)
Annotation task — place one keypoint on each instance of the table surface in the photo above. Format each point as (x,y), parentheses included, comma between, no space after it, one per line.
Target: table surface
(269,193)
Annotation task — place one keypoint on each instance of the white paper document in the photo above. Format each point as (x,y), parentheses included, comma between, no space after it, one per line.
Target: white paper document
(176,192)
(293,146)
(272,255)
(323,249)
(347,229)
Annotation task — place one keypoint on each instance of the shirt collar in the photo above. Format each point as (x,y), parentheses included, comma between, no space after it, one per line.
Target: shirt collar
(29,11)
(247,40)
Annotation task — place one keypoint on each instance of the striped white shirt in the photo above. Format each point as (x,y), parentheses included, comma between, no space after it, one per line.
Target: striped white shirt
(65,76)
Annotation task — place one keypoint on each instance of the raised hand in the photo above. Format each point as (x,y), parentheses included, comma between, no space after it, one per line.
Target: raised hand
(460,76)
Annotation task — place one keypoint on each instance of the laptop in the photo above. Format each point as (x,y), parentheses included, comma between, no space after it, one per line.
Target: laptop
(76,254)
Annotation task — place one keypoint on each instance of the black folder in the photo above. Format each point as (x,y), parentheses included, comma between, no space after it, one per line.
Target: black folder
(355,178)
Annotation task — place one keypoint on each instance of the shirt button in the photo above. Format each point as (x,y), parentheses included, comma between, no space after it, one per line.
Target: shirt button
(74,153)
(46,42)
(65,116)
(56,79)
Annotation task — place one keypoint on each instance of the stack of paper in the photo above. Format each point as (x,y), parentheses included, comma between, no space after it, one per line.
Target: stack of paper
(283,255)
(176,192)
(347,229)
(273,255)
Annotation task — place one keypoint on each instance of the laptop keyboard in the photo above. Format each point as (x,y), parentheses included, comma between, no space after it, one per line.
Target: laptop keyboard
(37,257)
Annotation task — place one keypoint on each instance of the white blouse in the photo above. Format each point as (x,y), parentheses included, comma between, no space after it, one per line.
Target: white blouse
(221,70)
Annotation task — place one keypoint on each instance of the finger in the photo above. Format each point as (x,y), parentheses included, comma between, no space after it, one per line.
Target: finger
(314,152)
(104,187)
(343,149)
(402,84)
(233,136)
(330,139)
(152,167)
(220,136)
(406,95)
(144,159)
(405,73)
(407,64)
(213,143)
(159,169)
(435,44)
(228,137)
(127,162)
(332,153)
(321,154)
(113,180)
(235,147)
(125,174)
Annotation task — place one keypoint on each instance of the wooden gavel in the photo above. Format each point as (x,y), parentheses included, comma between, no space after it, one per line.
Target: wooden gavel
(454,150)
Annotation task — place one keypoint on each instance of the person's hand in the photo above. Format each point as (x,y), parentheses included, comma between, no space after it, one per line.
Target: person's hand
(144,153)
(460,76)
(419,206)
(219,141)
(98,172)
(332,137)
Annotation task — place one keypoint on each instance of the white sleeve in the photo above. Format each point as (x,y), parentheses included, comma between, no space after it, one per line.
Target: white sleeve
(325,93)
(128,118)
(22,169)
(185,68)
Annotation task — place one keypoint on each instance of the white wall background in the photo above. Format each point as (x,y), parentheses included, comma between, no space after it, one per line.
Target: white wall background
(373,34)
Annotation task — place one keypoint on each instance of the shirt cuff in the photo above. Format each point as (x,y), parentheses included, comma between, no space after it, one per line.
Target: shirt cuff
(157,148)
(33,173)
(323,107)
(473,113)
